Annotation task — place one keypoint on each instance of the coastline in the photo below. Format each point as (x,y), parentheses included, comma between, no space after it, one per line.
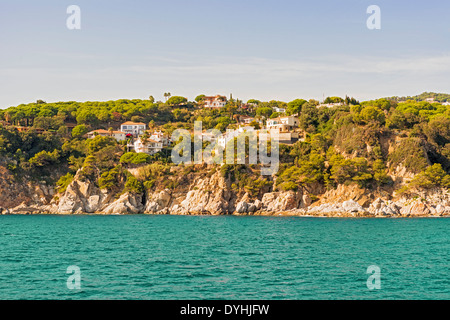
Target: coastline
(290,213)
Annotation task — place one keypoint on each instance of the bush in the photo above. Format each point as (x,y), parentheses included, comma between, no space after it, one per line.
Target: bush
(410,153)
(64,182)
(135,158)
(44,158)
(109,179)
(133,185)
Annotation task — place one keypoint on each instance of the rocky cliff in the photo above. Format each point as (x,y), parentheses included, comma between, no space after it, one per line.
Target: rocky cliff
(213,194)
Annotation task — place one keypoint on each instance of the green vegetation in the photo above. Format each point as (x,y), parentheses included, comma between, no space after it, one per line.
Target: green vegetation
(432,177)
(135,158)
(363,143)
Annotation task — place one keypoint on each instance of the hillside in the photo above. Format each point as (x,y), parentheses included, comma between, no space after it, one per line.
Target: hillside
(379,154)
(438,97)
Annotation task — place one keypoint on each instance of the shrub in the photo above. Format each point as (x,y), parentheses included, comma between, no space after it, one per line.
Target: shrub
(133,185)
(135,158)
(410,153)
(64,182)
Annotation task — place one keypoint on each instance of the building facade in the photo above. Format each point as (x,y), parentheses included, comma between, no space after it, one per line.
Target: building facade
(134,128)
(118,135)
(215,102)
(283,123)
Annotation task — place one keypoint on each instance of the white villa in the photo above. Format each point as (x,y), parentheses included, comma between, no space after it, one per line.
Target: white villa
(159,136)
(330,105)
(118,135)
(231,134)
(215,102)
(283,123)
(148,146)
(134,128)
(280,110)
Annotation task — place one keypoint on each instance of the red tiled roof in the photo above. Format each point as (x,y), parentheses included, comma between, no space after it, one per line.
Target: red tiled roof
(133,123)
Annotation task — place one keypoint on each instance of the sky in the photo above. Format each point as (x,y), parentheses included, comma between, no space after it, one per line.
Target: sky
(261,49)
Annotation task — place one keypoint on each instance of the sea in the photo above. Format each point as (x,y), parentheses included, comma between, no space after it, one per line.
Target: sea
(159,257)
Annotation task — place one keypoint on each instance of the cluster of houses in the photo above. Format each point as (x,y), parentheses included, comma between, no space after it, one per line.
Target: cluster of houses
(286,126)
(142,140)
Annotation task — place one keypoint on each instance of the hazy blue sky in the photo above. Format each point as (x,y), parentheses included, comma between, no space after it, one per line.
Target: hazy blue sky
(262,49)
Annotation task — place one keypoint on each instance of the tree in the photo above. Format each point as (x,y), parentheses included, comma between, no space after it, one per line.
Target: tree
(199,98)
(44,158)
(308,119)
(371,113)
(264,111)
(167,95)
(79,131)
(98,143)
(254,101)
(333,100)
(133,185)
(176,100)
(295,106)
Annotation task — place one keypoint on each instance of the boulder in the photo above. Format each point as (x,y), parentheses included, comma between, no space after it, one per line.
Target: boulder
(380,208)
(415,209)
(352,206)
(127,203)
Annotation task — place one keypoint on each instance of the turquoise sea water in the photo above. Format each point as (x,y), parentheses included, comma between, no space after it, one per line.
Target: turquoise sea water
(225,257)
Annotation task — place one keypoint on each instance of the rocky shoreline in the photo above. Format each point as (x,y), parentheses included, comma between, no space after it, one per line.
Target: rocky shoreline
(213,195)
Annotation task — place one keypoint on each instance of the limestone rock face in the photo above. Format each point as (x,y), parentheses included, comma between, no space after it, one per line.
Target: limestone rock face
(14,193)
(208,195)
(352,206)
(415,209)
(82,197)
(209,192)
(242,207)
(159,201)
(281,201)
(127,203)
(381,208)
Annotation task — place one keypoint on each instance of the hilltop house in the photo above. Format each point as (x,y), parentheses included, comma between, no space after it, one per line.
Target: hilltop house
(215,102)
(134,128)
(118,135)
(148,146)
(279,110)
(246,119)
(231,134)
(283,124)
(159,136)
(330,105)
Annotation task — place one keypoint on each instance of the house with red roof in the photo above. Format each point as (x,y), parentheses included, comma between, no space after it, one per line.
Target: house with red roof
(134,128)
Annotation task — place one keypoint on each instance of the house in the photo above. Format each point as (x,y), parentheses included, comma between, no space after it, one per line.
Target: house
(279,110)
(70,126)
(215,102)
(118,135)
(159,136)
(148,146)
(283,124)
(231,134)
(134,128)
(330,105)
(24,129)
(246,119)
